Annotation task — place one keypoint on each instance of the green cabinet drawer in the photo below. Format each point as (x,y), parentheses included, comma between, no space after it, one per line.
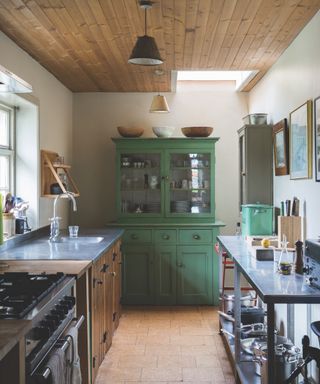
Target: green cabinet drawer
(165,236)
(195,236)
(137,236)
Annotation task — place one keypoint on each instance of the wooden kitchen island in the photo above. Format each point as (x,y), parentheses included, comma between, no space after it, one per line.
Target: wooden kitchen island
(272,288)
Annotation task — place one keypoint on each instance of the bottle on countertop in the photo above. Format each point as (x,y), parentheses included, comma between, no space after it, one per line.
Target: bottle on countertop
(238,229)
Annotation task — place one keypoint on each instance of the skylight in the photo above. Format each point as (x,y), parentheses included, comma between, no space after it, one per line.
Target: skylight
(240,77)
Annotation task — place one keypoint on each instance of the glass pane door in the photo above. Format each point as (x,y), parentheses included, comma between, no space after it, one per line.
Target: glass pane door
(140,183)
(190,183)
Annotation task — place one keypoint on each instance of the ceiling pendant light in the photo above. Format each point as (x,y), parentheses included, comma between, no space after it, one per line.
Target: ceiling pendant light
(159,103)
(145,51)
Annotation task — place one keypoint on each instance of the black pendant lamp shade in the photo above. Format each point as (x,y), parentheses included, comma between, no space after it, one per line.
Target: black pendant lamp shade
(145,51)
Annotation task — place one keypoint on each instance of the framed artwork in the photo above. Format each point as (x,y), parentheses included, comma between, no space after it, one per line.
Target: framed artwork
(280,148)
(317,137)
(301,142)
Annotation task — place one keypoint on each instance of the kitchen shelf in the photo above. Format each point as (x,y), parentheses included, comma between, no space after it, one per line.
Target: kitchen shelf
(245,368)
(50,175)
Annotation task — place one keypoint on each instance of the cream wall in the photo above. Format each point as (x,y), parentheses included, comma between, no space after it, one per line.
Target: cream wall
(96,116)
(294,79)
(55,111)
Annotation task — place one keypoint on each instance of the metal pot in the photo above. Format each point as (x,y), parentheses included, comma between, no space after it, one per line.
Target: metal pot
(227,302)
(253,330)
(286,359)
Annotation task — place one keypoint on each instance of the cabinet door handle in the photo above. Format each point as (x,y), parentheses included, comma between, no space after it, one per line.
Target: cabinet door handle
(196,237)
(105,335)
(114,274)
(134,236)
(165,237)
(114,255)
(104,267)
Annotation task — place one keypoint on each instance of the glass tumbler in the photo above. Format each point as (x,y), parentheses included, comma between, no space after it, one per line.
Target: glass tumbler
(73,230)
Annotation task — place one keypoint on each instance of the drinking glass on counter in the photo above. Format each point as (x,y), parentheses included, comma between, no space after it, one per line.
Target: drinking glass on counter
(73,230)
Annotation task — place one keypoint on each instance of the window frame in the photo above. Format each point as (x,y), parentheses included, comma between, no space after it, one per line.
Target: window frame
(10,150)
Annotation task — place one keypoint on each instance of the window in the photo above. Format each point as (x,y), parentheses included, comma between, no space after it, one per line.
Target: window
(6,150)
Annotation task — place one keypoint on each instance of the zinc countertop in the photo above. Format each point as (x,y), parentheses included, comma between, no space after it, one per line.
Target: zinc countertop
(270,285)
(39,248)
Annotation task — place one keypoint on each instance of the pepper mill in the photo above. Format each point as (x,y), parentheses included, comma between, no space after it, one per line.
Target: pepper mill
(299,257)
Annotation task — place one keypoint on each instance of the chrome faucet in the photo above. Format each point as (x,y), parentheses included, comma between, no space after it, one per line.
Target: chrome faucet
(55,220)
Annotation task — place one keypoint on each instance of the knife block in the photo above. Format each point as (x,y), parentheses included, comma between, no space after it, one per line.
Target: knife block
(290,226)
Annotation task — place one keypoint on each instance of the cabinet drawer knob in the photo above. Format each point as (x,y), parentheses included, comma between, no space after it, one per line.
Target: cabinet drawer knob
(114,274)
(134,236)
(196,237)
(165,237)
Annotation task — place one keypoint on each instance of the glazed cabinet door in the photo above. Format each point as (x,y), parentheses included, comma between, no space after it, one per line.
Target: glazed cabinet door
(138,274)
(140,183)
(189,183)
(165,274)
(194,274)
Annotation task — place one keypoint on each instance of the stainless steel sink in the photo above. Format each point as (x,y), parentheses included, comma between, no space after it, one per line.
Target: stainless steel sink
(82,240)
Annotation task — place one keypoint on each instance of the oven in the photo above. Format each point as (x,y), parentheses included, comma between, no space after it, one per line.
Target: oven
(49,302)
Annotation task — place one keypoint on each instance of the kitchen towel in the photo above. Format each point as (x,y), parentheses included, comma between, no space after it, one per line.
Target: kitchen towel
(74,360)
(57,366)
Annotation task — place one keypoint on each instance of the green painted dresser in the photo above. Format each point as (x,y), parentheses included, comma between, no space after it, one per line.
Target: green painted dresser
(165,202)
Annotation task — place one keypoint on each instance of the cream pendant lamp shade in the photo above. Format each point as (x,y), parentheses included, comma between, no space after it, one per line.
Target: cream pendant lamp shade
(145,51)
(159,104)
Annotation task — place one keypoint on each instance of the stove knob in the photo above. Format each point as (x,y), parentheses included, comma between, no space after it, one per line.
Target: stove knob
(310,280)
(59,313)
(40,332)
(62,307)
(48,324)
(54,319)
(306,269)
(70,300)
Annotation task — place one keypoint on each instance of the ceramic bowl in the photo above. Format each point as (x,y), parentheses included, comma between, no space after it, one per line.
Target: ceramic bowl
(130,132)
(163,131)
(197,131)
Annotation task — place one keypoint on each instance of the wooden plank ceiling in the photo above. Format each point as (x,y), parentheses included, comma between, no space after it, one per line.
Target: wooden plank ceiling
(86,43)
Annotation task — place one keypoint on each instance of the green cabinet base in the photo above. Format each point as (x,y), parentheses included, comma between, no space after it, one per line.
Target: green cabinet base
(170,266)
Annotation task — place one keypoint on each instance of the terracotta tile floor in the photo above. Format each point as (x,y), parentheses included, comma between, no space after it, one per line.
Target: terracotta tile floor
(167,345)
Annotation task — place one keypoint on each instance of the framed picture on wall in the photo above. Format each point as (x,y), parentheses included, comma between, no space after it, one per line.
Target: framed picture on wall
(280,148)
(317,137)
(301,142)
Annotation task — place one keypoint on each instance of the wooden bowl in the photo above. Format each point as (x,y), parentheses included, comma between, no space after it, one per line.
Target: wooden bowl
(197,131)
(130,132)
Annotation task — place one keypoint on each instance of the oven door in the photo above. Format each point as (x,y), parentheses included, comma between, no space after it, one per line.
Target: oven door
(64,354)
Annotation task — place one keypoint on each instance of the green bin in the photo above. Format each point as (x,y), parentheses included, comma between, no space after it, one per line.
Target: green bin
(257,219)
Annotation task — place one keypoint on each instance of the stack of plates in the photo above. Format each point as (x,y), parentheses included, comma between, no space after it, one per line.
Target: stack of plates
(153,207)
(180,206)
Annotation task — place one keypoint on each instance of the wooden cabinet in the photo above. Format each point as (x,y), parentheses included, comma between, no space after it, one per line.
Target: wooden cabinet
(178,267)
(256,174)
(116,273)
(105,303)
